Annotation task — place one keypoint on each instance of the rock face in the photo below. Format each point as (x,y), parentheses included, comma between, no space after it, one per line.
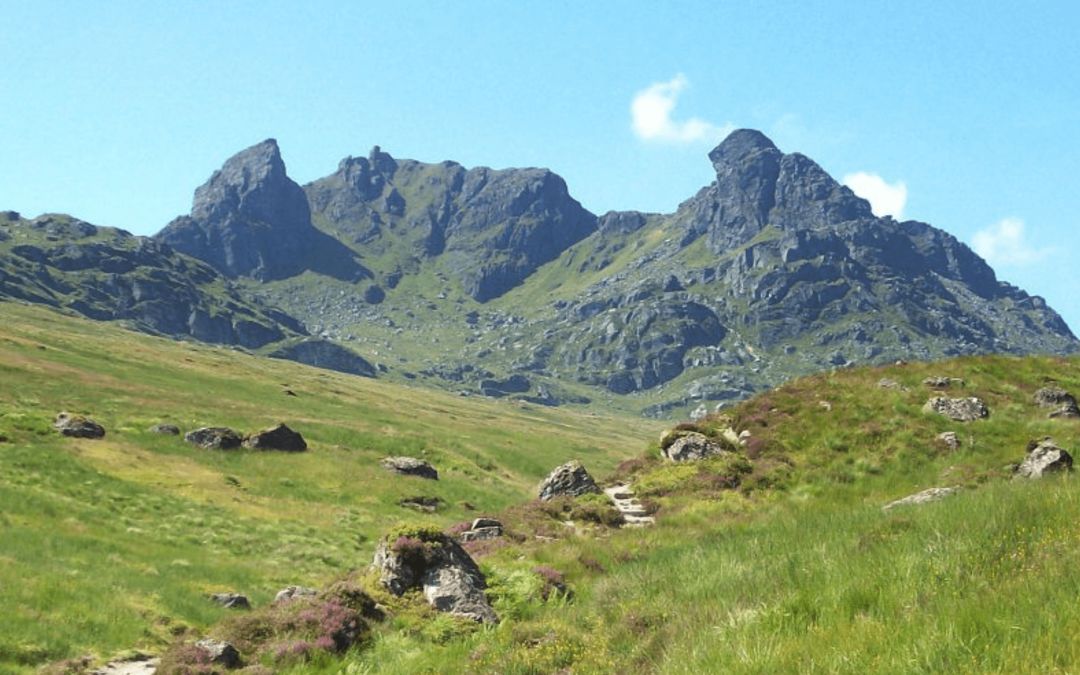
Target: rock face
(279,437)
(214,438)
(570,479)
(251,220)
(491,228)
(1045,457)
(691,447)
(959,409)
(77,426)
(449,578)
(410,466)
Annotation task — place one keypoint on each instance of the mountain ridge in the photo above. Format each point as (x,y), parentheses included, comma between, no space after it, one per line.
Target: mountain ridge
(456,278)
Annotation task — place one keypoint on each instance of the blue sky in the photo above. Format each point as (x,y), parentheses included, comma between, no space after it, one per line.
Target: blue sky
(961,114)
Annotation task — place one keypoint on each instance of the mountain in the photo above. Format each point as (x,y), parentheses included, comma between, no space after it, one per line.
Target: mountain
(499,282)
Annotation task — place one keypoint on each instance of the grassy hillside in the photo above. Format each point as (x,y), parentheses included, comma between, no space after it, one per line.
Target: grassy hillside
(114,544)
(775,557)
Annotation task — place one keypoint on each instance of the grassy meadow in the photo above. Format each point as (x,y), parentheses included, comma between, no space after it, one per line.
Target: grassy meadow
(777,558)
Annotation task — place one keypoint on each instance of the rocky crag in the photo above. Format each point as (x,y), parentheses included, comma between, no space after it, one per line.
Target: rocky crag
(499,282)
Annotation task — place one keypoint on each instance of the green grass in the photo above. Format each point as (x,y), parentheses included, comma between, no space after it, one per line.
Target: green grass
(113,544)
(777,559)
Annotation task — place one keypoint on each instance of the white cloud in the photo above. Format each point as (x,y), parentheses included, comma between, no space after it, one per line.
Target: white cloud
(651,113)
(885,199)
(1004,244)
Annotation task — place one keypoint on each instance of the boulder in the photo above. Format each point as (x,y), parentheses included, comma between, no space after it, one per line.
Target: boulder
(949,439)
(570,479)
(279,437)
(410,466)
(691,447)
(291,592)
(231,600)
(1051,397)
(214,438)
(1044,457)
(447,575)
(166,429)
(482,529)
(1067,411)
(958,409)
(77,426)
(220,652)
(924,497)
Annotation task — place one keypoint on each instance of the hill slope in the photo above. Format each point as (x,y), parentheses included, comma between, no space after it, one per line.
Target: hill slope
(775,556)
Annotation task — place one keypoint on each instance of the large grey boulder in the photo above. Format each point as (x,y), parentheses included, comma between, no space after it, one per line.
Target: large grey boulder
(447,575)
(220,652)
(1045,457)
(482,529)
(78,426)
(279,437)
(958,409)
(570,479)
(1063,402)
(231,600)
(691,447)
(410,466)
(214,438)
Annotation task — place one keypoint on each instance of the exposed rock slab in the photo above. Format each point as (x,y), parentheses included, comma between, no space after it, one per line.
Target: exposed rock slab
(231,600)
(924,497)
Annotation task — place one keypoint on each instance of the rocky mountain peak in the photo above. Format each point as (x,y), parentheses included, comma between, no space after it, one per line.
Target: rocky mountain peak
(248,219)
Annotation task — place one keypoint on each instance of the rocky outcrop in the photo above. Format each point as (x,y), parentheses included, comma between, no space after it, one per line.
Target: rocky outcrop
(570,480)
(325,354)
(958,409)
(251,220)
(78,426)
(690,447)
(109,275)
(214,438)
(279,437)
(449,578)
(1044,457)
(410,466)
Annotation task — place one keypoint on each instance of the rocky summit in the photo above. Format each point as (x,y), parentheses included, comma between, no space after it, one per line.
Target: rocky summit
(498,282)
